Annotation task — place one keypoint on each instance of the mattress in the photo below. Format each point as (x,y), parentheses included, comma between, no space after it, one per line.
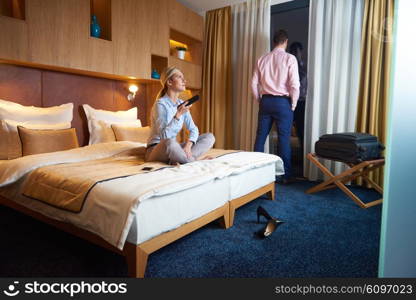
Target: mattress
(172,211)
(242,184)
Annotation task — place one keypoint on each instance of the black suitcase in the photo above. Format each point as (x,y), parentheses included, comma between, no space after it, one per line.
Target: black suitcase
(350,147)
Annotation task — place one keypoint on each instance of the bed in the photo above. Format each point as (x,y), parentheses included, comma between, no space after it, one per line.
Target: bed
(157,211)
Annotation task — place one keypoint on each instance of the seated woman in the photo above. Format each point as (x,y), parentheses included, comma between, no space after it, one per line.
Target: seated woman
(167,119)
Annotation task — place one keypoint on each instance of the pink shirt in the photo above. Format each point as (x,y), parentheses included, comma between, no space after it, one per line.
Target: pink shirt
(276,73)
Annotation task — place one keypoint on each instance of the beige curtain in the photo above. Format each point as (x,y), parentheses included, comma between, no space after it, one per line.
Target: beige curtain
(376,47)
(216,112)
(251,39)
(333,74)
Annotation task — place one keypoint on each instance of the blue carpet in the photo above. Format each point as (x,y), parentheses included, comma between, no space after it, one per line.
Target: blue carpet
(324,235)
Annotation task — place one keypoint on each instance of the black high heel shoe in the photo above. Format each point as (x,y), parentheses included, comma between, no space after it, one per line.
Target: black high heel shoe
(272,223)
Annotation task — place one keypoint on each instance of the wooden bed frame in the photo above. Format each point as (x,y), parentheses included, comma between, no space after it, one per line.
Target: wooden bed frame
(136,255)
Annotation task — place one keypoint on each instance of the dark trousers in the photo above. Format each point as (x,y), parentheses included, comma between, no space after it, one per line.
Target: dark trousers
(299,118)
(277,109)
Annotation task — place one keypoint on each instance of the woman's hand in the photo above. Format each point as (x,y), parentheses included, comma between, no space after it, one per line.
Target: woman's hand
(182,109)
(187,148)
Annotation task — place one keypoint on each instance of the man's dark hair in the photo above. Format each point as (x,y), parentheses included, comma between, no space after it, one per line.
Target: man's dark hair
(295,46)
(280,36)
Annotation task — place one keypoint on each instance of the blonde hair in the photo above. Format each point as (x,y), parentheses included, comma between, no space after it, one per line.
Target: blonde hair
(164,77)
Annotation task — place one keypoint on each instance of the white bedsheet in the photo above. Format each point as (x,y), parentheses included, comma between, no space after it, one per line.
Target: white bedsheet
(112,206)
(168,212)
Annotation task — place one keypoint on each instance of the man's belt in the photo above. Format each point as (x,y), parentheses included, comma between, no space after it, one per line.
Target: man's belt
(270,95)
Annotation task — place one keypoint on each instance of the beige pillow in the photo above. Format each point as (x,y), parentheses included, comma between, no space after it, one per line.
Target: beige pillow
(35,141)
(132,134)
(13,147)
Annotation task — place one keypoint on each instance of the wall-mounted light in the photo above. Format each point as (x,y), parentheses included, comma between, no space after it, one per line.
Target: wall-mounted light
(133,90)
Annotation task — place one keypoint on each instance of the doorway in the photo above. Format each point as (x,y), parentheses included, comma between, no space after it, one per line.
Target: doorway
(292,16)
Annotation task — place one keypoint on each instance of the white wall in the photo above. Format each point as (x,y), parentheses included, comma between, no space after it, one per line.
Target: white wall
(398,232)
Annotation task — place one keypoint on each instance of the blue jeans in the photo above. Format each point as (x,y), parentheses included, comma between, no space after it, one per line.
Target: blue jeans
(278,109)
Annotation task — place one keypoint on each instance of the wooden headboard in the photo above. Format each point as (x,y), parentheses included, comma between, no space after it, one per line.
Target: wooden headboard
(44,88)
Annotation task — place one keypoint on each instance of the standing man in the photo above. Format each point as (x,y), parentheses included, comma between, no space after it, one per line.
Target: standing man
(275,85)
(299,116)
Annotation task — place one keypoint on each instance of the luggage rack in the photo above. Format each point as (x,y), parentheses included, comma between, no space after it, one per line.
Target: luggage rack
(355,170)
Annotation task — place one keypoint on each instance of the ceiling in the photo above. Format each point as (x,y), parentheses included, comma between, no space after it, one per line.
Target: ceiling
(201,6)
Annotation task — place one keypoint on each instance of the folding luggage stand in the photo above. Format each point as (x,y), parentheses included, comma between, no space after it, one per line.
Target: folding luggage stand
(355,170)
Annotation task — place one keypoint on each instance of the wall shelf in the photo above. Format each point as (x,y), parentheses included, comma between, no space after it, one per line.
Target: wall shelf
(183,61)
(135,37)
(158,63)
(79,72)
(13,9)
(193,46)
(102,10)
(191,65)
(191,71)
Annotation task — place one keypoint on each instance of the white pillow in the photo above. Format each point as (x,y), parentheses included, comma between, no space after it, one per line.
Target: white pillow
(8,103)
(110,116)
(4,143)
(101,132)
(11,135)
(36,115)
(100,121)
(27,116)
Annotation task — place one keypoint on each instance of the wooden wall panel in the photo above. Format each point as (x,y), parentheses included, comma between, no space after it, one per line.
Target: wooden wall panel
(131,36)
(192,72)
(13,39)
(185,20)
(196,110)
(58,32)
(151,92)
(30,86)
(195,53)
(160,27)
(61,88)
(21,85)
(121,102)
(100,56)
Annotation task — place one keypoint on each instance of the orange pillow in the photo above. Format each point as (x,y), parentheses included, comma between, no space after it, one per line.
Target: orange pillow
(132,134)
(35,141)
